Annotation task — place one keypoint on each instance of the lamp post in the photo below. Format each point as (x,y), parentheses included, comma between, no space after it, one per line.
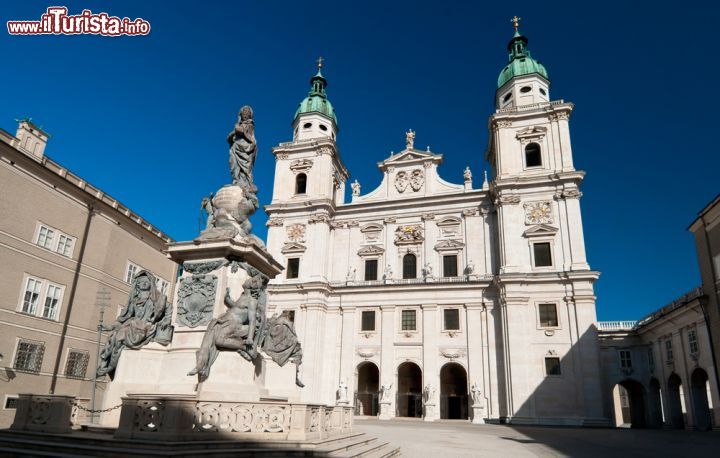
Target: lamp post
(102,298)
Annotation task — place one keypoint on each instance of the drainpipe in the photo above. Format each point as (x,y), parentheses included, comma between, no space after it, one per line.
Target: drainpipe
(71,301)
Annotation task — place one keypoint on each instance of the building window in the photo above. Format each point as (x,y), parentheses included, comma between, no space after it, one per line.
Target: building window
(716,264)
(293,268)
(525,89)
(532,155)
(552,366)
(542,255)
(301,183)
(29,356)
(307,125)
(45,237)
(11,402)
(408,320)
(77,362)
(371,269)
(450,263)
(65,245)
(625,359)
(692,342)
(32,296)
(452,319)
(548,315)
(130,272)
(507,97)
(368,321)
(53,297)
(409,266)
(668,350)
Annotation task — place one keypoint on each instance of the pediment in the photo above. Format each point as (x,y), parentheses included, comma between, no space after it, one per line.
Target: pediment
(408,155)
(449,221)
(532,132)
(371,227)
(447,245)
(371,250)
(293,247)
(540,230)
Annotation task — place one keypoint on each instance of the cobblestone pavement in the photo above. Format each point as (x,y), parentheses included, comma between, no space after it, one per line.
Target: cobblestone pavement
(446,439)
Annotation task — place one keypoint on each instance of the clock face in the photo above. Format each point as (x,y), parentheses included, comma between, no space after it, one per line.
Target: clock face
(538,213)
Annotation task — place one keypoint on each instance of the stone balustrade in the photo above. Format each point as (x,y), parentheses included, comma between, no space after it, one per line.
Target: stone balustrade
(184,418)
(44,413)
(616,325)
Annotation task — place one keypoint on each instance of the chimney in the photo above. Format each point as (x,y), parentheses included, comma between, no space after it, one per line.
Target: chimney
(31,138)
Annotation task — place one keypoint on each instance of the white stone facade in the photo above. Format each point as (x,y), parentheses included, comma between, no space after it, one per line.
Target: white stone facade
(500,291)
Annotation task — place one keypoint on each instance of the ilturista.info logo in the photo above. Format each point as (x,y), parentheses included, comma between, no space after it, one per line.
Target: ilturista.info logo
(56,21)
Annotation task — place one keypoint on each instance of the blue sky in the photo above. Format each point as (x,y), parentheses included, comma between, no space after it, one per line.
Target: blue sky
(145,118)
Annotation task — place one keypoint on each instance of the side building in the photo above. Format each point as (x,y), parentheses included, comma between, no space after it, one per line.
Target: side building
(425,298)
(67,251)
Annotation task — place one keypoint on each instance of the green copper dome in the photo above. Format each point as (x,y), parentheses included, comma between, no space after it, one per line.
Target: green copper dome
(520,61)
(317,101)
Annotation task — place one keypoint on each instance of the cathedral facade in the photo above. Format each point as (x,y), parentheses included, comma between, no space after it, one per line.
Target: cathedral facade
(425,298)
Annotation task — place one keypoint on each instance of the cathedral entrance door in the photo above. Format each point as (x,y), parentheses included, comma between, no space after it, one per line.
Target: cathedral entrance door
(453,392)
(409,394)
(368,385)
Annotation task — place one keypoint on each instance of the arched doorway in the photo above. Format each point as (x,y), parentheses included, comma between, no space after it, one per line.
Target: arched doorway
(629,396)
(655,414)
(368,385)
(701,406)
(409,393)
(453,392)
(676,413)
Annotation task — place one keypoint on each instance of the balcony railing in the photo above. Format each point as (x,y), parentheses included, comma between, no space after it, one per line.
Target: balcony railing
(532,106)
(616,325)
(412,281)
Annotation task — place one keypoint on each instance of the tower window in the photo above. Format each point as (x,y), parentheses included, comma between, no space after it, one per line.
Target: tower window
(451,319)
(507,97)
(548,315)
(323,127)
(543,92)
(307,125)
(368,321)
(371,269)
(450,263)
(301,183)
(552,366)
(525,89)
(532,155)
(542,254)
(293,268)
(409,266)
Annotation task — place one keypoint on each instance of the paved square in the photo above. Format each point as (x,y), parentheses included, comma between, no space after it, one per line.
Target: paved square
(419,439)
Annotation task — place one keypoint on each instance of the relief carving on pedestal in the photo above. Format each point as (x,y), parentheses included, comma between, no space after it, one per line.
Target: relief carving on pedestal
(196,299)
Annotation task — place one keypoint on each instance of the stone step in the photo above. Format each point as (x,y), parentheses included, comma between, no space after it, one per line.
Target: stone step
(338,447)
(372,449)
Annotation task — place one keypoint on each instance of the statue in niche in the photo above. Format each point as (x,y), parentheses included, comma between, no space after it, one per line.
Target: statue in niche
(281,342)
(476,395)
(427,271)
(145,318)
(385,392)
(243,148)
(428,393)
(238,329)
(387,275)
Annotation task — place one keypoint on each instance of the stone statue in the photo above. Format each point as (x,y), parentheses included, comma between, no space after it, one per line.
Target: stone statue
(238,329)
(476,395)
(387,275)
(470,268)
(428,393)
(427,271)
(145,318)
(385,392)
(410,139)
(343,392)
(351,274)
(209,208)
(281,342)
(243,148)
(355,188)
(467,174)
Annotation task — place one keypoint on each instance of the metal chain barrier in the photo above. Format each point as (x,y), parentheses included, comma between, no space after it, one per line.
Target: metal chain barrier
(97,410)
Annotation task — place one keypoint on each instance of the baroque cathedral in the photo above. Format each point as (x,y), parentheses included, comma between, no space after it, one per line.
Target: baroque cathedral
(425,298)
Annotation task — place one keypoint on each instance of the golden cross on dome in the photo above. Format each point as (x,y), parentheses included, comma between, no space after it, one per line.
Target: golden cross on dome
(320,62)
(516,22)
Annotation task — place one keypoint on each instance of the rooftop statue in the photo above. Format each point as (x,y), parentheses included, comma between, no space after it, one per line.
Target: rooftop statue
(145,318)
